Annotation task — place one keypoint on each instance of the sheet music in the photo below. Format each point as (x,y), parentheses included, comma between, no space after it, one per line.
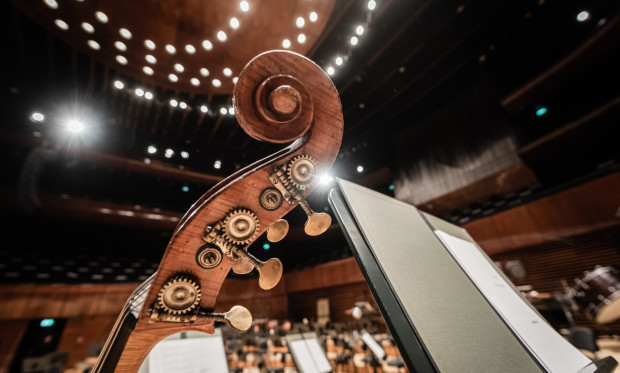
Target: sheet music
(373,345)
(190,355)
(318,355)
(309,356)
(554,352)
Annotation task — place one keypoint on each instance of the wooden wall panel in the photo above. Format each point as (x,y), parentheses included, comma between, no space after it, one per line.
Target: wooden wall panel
(11,335)
(81,332)
(547,264)
(584,208)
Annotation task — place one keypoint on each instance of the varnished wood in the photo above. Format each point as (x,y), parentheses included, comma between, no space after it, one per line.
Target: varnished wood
(242,189)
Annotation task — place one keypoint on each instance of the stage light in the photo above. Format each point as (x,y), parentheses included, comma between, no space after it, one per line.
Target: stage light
(147,70)
(221,36)
(331,70)
(149,44)
(148,95)
(541,111)
(93,45)
(46,323)
(88,27)
(216,83)
(325,179)
(339,60)
(139,92)
(300,22)
(207,45)
(121,59)
(286,43)
(204,108)
(119,85)
(231,110)
(173,78)
(354,40)
(583,16)
(204,72)
(150,59)
(171,49)
(75,126)
(125,33)
(235,79)
(151,149)
(244,5)
(179,68)
(372,4)
(360,169)
(313,16)
(301,38)
(217,164)
(195,82)
(227,71)
(168,153)
(174,103)
(234,23)
(184,154)
(52,4)
(101,17)
(37,117)
(182,105)
(190,49)
(223,111)
(359,30)
(120,46)
(61,24)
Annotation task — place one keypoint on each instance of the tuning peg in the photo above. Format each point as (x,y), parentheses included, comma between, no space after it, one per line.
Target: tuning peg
(269,272)
(317,223)
(277,231)
(238,318)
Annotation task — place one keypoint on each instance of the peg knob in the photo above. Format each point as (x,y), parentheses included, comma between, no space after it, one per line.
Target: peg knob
(317,223)
(277,231)
(238,318)
(269,272)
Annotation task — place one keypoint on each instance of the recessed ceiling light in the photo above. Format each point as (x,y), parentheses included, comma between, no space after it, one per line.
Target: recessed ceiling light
(204,72)
(149,44)
(207,45)
(150,59)
(125,33)
(61,24)
(88,27)
(120,46)
(151,149)
(301,38)
(121,59)
(75,126)
(216,83)
(195,82)
(372,4)
(101,17)
(94,45)
(360,169)
(234,23)
(244,5)
(53,4)
(313,16)
(37,117)
(286,43)
(170,49)
(182,105)
(339,60)
(174,103)
(331,70)
(354,40)
(148,95)
(179,68)
(190,49)
(583,16)
(119,85)
(139,92)
(184,154)
(147,70)
(359,30)
(227,71)
(223,111)
(173,78)
(217,164)
(235,79)
(221,36)
(231,110)
(204,108)
(300,22)
(168,153)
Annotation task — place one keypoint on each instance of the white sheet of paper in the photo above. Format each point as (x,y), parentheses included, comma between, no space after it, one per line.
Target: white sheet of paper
(554,352)
(305,362)
(190,355)
(373,345)
(318,355)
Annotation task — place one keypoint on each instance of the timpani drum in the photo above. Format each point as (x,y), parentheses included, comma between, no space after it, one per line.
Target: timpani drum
(598,294)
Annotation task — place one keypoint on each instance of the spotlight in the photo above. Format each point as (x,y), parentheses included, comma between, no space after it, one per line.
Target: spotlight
(75,126)
(360,169)
(169,153)
(583,16)
(151,149)
(217,164)
(37,117)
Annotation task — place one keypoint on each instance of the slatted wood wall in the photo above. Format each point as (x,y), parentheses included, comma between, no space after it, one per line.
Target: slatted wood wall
(568,258)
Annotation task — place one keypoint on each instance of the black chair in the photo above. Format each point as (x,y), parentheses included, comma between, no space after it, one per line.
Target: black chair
(584,339)
(398,362)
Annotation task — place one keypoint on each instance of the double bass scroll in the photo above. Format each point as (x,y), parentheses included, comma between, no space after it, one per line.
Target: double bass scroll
(280,97)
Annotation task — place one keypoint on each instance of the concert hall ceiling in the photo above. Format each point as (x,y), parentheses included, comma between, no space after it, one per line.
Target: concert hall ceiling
(118,114)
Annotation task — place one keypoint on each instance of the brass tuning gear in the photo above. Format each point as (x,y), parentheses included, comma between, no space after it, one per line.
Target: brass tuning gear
(238,318)
(269,272)
(317,223)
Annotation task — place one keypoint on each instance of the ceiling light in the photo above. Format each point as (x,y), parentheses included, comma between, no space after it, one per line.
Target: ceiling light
(179,68)
(184,154)
(339,60)
(150,59)
(359,30)
(583,16)
(313,16)
(204,108)
(75,126)
(234,23)
(147,70)
(151,149)
(207,45)
(185,188)
(174,103)
(244,5)
(139,92)
(61,24)
(217,164)
(37,117)
(301,38)
(125,33)
(52,4)
(170,49)
(325,179)
(169,153)
(216,83)
(195,82)
(149,44)
(223,111)
(121,59)
(235,79)
(119,85)
(372,4)
(300,22)
(227,71)
(120,46)
(221,36)
(204,72)
(286,43)
(182,105)
(101,17)
(173,78)
(94,45)
(540,111)
(148,95)
(231,110)
(88,27)
(354,40)
(190,49)
(331,70)
(360,169)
